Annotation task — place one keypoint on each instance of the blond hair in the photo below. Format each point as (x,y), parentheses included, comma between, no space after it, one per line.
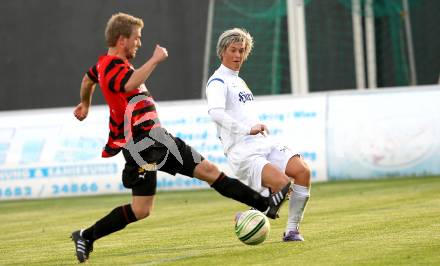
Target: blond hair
(232,36)
(121,24)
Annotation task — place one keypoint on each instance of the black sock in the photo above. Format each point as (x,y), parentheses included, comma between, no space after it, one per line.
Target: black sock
(233,188)
(116,220)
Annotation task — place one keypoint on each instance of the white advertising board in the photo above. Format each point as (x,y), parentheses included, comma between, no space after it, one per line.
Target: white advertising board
(48,153)
(384,133)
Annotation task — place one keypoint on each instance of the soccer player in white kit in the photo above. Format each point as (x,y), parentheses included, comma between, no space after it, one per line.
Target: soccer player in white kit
(255,157)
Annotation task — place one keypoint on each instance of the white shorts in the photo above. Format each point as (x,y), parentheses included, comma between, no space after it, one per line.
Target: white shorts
(247,159)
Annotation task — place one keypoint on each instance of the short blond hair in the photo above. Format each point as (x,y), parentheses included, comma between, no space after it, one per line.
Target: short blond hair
(234,35)
(121,24)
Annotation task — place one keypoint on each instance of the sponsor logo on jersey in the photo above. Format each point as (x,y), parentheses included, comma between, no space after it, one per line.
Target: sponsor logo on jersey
(245,96)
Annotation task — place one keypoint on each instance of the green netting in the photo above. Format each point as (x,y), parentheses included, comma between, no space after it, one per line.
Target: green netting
(380,7)
(391,52)
(330,45)
(425,21)
(391,39)
(267,68)
(329,40)
(330,55)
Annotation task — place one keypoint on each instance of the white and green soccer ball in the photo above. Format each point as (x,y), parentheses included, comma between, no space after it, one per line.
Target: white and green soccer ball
(252,227)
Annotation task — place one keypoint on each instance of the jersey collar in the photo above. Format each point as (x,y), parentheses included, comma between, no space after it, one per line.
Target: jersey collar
(228,71)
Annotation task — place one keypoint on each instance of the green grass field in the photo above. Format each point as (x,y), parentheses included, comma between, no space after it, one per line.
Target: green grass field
(376,222)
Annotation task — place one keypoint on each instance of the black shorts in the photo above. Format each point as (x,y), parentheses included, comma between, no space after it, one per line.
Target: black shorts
(140,181)
(171,155)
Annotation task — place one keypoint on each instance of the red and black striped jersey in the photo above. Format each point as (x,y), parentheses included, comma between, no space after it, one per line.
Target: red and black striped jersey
(136,107)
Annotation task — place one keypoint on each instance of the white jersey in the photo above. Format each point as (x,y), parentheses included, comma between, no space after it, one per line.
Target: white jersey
(247,154)
(226,90)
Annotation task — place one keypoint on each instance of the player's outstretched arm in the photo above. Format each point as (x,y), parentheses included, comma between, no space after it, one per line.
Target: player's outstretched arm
(228,123)
(141,74)
(87,88)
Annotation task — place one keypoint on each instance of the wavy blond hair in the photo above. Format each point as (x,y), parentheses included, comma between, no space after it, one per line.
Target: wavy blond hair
(121,24)
(232,36)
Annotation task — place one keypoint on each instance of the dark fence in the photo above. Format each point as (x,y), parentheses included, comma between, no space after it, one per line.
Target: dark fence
(47,45)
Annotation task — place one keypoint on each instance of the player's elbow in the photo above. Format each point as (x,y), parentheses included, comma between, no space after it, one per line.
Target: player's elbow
(135,80)
(217,115)
(129,87)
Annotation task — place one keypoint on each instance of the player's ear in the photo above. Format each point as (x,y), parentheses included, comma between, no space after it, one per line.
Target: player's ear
(121,40)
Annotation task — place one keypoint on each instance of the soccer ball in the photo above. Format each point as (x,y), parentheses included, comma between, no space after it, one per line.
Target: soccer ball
(252,227)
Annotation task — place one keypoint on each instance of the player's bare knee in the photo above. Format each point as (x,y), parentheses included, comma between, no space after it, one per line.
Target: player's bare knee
(206,171)
(306,171)
(299,171)
(209,168)
(142,213)
(303,176)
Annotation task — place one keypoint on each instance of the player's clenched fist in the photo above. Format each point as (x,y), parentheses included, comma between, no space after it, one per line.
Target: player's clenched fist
(259,128)
(81,111)
(160,54)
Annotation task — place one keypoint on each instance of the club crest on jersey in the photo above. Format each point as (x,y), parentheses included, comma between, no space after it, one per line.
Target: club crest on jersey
(244,97)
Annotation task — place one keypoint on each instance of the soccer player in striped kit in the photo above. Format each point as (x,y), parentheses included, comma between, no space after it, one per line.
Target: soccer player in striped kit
(255,157)
(135,130)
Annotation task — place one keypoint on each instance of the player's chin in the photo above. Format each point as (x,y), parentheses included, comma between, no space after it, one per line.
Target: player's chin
(237,67)
(132,55)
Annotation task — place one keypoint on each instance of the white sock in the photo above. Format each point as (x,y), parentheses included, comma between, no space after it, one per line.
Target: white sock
(297,203)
